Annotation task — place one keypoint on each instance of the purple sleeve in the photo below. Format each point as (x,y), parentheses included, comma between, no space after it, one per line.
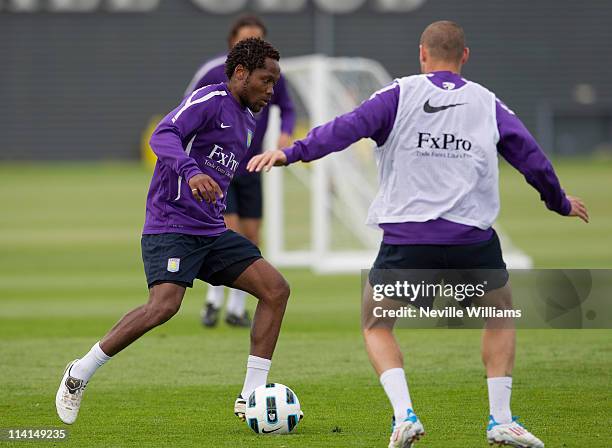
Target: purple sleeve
(173,133)
(374,118)
(283,101)
(522,151)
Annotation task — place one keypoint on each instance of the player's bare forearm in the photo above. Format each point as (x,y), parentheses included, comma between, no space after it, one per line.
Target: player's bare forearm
(267,160)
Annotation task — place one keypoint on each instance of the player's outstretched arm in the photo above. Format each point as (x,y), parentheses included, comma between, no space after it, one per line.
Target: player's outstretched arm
(373,118)
(520,149)
(578,208)
(267,160)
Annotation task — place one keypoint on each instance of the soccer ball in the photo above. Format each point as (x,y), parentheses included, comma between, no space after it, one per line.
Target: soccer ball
(273,409)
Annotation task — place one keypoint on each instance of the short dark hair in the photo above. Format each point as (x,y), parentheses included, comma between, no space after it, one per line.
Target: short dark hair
(243,21)
(251,53)
(445,40)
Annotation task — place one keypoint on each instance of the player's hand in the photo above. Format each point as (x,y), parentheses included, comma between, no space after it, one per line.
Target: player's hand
(203,187)
(578,208)
(284,141)
(267,160)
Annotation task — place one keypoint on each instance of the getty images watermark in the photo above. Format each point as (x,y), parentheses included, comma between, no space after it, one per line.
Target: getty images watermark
(410,292)
(534,298)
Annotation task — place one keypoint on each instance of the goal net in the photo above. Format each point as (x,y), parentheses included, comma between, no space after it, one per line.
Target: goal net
(315,212)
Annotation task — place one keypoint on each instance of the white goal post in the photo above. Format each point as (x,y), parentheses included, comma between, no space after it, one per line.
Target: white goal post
(333,194)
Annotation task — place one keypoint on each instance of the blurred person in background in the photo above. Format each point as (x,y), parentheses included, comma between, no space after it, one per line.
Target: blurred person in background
(244,198)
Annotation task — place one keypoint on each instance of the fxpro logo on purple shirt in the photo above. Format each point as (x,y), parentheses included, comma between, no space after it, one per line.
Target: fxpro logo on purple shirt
(221,160)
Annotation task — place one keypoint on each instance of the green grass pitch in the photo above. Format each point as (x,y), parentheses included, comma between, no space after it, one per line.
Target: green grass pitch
(70,266)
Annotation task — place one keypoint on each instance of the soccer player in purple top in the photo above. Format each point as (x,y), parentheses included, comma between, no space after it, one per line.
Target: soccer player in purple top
(438,137)
(244,196)
(199,146)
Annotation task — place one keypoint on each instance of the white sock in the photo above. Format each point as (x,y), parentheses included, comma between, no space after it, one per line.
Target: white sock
(500,389)
(214,296)
(256,374)
(396,387)
(236,301)
(85,367)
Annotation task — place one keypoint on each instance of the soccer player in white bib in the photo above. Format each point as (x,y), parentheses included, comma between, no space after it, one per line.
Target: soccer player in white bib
(438,137)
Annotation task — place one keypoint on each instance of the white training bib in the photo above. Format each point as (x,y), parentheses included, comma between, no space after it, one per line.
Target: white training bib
(440,160)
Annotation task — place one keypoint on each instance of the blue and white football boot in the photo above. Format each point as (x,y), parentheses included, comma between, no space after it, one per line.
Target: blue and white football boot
(512,434)
(405,433)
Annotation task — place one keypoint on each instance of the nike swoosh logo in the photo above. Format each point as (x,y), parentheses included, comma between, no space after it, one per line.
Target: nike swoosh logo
(433,109)
(224,126)
(268,432)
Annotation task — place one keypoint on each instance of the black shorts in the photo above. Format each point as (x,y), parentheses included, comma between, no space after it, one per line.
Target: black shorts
(244,196)
(473,264)
(180,258)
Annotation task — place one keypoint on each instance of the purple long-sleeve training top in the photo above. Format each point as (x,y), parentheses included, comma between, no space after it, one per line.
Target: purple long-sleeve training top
(375,117)
(213,72)
(208,133)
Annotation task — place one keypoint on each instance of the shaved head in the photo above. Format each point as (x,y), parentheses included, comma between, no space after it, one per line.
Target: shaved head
(444,41)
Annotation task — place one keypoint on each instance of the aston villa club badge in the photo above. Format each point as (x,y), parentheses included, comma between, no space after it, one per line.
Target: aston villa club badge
(174,264)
